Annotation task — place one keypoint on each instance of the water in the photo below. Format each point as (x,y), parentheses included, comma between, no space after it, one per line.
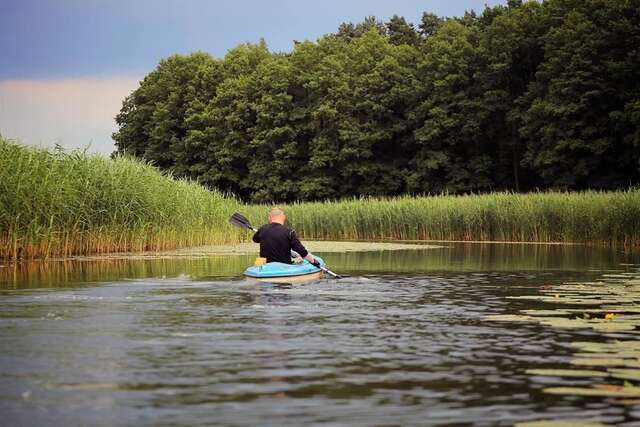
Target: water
(188,342)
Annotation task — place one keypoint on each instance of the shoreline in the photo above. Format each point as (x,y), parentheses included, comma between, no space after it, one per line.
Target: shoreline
(427,242)
(314,246)
(250,248)
(236,249)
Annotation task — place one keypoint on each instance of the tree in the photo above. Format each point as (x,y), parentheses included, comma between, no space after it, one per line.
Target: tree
(275,150)
(222,131)
(578,118)
(401,32)
(430,24)
(450,155)
(349,31)
(152,120)
(360,94)
(526,95)
(511,48)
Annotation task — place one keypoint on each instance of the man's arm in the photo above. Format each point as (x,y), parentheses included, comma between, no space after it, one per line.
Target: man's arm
(256,235)
(311,259)
(299,248)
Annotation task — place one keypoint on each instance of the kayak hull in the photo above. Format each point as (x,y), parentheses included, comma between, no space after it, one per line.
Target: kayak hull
(289,279)
(277,272)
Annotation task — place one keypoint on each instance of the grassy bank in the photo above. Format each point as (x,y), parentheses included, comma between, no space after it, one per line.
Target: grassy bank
(611,218)
(57,204)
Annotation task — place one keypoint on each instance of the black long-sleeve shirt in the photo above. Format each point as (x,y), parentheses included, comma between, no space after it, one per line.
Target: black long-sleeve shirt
(277,241)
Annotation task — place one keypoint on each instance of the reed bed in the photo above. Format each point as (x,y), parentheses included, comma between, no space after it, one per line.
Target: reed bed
(610,218)
(54,203)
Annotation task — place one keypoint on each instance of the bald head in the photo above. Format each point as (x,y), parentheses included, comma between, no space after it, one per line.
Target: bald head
(277,215)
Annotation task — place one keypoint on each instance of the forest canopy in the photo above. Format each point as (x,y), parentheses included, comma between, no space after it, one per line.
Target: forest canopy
(526,95)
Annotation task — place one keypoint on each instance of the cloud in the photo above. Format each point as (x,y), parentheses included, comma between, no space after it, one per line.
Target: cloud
(75,112)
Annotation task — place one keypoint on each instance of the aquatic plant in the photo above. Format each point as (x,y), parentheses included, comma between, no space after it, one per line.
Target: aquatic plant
(611,218)
(609,305)
(58,203)
(560,423)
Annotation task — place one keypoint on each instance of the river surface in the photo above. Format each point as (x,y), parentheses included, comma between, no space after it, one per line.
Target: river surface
(403,341)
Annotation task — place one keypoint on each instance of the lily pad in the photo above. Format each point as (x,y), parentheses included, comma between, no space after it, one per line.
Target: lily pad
(577,373)
(606,362)
(545,313)
(622,354)
(509,318)
(625,374)
(586,301)
(604,310)
(613,327)
(529,297)
(553,423)
(607,347)
(584,283)
(606,391)
(587,293)
(565,323)
(631,402)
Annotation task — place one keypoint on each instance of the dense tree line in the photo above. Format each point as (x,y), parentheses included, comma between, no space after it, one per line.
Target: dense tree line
(525,95)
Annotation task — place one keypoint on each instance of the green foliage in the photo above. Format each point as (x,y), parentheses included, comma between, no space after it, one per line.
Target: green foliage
(511,49)
(526,95)
(450,156)
(57,203)
(400,31)
(611,218)
(430,24)
(349,31)
(577,125)
(54,203)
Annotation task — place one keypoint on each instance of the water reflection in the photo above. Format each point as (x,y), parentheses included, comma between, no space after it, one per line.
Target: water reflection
(454,257)
(485,257)
(48,274)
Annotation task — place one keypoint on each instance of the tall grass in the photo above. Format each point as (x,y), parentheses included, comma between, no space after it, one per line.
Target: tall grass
(611,218)
(56,203)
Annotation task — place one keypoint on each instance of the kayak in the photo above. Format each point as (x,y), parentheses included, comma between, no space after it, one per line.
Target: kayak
(281,272)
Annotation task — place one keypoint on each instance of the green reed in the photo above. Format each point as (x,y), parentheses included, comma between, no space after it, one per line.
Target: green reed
(611,218)
(54,203)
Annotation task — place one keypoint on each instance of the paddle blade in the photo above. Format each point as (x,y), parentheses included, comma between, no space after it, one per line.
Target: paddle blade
(240,221)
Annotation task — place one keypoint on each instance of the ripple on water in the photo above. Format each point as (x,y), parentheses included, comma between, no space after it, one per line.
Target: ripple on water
(381,349)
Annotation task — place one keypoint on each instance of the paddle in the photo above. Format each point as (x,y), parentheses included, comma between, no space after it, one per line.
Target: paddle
(242,222)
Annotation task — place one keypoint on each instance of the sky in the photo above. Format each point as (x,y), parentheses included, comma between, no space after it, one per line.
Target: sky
(66,65)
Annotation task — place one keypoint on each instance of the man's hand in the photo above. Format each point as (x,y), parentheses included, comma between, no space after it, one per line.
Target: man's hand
(312,260)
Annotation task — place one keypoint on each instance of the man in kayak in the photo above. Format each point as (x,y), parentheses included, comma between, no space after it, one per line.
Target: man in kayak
(277,241)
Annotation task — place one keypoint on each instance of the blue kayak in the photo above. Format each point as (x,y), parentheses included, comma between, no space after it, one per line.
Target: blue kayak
(278,271)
